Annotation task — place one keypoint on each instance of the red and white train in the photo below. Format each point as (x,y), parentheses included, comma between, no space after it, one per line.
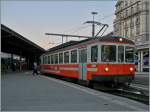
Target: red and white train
(105,59)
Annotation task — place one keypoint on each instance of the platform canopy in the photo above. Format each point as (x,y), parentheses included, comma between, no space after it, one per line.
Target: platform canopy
(14,43)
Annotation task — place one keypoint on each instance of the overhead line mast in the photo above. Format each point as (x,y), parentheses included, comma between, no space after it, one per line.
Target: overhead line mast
(93,30)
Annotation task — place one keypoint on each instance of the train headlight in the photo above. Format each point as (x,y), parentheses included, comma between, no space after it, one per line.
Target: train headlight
(120,39)
(131,69)
(106,69)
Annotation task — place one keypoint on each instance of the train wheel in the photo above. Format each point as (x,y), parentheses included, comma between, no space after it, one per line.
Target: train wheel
(75,80)
(127,84)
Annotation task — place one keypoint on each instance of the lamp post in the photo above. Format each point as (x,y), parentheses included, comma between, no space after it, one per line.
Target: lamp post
(93,25)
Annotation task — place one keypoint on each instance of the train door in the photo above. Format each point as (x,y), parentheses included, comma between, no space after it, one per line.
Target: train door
(82,63)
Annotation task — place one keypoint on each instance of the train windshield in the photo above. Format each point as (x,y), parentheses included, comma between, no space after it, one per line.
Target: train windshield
(129,54)
(108,53)
(120,53)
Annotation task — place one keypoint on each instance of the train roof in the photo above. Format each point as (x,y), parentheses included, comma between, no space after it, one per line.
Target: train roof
(102,39)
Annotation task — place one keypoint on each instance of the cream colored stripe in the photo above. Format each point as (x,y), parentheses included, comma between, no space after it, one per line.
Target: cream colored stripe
(63,68)
(92,69)
(53,71)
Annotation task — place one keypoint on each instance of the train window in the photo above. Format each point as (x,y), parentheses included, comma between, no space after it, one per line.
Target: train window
(120,53)
(66,57)
(108,53)
(45,59)
(60,58)
(56,58)
(94,53)
(48,59)
(129,54)
(83,55)
(74,56)
(52,59)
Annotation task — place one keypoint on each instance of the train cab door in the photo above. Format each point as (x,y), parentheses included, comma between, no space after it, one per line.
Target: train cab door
(82,64)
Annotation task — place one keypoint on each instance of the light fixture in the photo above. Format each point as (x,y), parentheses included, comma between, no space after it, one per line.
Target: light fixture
(120,39)
(106,69)
(131,69)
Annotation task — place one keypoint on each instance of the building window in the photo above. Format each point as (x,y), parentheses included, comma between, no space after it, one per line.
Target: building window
(126,3)
(137,29)
(131,32)
(126,12)
(132,10)
(56,58)
(94,53)
(60,58)
(137,6)
(125,25)
(131,23)
(146,58)
(74,56)
(137,20)
(137,25)
(126,32)
(120,15)
(66,57)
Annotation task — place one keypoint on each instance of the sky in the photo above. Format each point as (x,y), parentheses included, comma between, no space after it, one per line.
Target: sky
(32,19)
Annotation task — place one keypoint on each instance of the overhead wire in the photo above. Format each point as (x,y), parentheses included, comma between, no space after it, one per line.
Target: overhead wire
(81,27)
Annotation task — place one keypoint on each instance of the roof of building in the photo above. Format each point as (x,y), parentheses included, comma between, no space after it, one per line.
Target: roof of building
(13,42)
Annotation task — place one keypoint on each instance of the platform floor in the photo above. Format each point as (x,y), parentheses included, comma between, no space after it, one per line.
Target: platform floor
(25,92)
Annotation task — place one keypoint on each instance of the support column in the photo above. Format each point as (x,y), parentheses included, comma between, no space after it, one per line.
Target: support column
(20,62)
(141,69)
(28,64)
(12,62)
(139,61)
(62,39)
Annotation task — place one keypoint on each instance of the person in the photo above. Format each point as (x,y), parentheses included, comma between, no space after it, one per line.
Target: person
(35,67)
(13,66)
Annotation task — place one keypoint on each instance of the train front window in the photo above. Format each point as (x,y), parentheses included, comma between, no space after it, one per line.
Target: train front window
(108,53)
(120,53)
(129,54)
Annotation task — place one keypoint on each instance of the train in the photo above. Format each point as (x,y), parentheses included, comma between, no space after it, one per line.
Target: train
(108,60)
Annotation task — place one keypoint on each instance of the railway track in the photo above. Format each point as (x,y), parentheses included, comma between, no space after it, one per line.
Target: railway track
(128,92)
(131,93)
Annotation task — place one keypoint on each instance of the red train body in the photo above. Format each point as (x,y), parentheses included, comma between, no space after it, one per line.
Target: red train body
(106,59)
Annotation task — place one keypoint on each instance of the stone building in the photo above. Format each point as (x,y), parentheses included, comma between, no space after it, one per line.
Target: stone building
(132,21)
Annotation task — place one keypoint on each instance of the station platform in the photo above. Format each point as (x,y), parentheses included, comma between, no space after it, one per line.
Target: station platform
(25,92)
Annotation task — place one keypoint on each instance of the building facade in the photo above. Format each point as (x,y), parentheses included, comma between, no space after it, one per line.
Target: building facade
(132,21)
